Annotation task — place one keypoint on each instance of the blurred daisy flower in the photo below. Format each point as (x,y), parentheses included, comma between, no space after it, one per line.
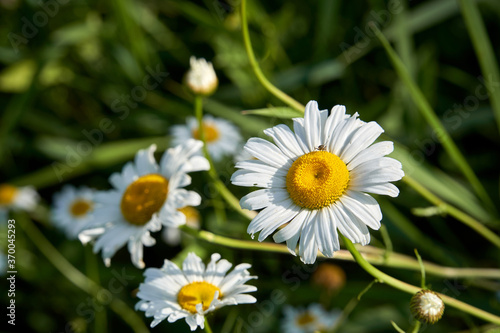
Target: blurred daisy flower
(201,78)
(315,179)
(222,137)
(312,319)
(145,197)
(16,198)
(191,293)
(73,209)
(172,236)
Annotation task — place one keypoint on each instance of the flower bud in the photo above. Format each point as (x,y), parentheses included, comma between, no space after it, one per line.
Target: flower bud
(427,306)
(201,78)
(329,276)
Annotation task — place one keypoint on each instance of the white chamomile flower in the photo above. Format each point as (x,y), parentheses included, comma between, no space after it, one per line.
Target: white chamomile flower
(201,78)
(310,320)
(145,197)
(172,236)
(315,179)
(73,209)
(171,293)
(222,137)
(17,198)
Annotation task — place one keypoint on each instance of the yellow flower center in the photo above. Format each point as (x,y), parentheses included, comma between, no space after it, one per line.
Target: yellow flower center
(80,207)
(196,293)
(7,194)
(211,133)
(144,197)
(305,319)
(317,179)
(192,215)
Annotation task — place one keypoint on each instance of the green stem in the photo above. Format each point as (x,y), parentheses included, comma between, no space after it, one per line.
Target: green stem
(212,172)
(455,212)
(422,269)
(207,326)
(372,255)
(484,52)
(416,327)
(433,120)
(255,65)
(101,320)
(76,277)
(395,283)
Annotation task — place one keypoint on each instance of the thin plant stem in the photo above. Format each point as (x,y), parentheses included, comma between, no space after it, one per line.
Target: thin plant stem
(101,320)
(433,120)
(78,278)
(207,326)
(455,212)
(484,51)
(255,65)
(212,172)
(403,286)
(422,269)
(372,255)
(416,327)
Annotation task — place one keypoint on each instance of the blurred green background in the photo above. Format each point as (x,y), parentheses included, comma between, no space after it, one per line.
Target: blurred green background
(68,65)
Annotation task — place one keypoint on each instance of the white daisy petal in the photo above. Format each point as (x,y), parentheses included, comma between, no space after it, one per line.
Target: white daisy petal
(145,197)
(262,198)
(364,137)
(284,138)
(191,293)
(266,152)
(320,173)
(317,319)
(371,153)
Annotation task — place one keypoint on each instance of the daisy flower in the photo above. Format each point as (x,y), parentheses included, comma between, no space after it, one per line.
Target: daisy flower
(222,137)
(201,78)
(145,197)
(172,236)
(312,319)
(73,209)
(17,198)
(316,179)
(171,293)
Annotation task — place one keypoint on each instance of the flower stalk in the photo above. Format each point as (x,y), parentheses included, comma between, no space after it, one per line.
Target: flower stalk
(371,254)
(395,283)
(212,172)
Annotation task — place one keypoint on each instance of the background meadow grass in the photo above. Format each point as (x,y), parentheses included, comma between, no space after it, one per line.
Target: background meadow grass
(75,71)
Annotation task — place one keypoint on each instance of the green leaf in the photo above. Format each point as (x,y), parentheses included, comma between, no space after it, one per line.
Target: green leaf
(276,112)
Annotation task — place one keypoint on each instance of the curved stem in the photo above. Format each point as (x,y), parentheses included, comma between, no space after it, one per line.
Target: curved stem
(212,172)
(372,255)
(395,283)
(255,65)
(455,212)
(78,278)
(207,326)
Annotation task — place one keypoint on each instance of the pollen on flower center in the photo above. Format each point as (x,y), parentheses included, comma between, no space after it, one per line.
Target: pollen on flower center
(305,319)
(317,179)
(7,194)
(195,293)
(144,197)
(80,207)
(211,133)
